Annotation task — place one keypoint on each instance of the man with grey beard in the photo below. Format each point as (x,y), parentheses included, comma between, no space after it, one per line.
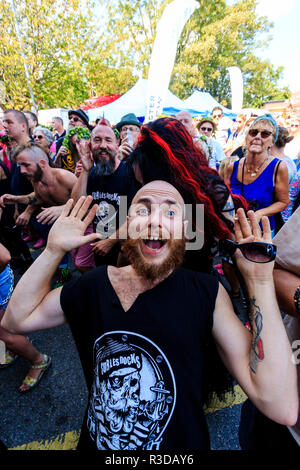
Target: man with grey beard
(109,181)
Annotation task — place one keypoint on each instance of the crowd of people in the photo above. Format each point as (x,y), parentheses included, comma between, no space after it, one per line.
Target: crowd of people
(111,201)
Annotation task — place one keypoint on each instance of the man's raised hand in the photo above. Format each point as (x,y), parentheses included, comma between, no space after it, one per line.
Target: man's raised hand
(68,231)
(248,230)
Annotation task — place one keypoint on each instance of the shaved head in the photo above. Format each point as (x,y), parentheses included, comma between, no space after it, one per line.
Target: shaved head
(159,188)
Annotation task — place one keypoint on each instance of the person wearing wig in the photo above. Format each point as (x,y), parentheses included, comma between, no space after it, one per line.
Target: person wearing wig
(165,151)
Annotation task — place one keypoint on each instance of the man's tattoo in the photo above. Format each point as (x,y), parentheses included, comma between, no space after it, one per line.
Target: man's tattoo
(257,350)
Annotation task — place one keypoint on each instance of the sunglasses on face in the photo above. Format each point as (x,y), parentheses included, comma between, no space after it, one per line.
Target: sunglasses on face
(206,129)
(263,134)
(39,137)
(294,125)
(217,116)
(257,252)
(75,119)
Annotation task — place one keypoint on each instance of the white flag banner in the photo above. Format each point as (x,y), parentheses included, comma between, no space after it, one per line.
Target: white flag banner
(237,88)
(163,56)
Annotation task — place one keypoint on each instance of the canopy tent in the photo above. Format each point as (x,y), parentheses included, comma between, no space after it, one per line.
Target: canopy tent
(134,101)
(203,101)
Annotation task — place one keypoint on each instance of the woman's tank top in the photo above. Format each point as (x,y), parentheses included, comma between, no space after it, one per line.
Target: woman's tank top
(260,193)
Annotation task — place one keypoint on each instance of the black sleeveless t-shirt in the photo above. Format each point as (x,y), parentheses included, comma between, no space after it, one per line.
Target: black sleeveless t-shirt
(144,368)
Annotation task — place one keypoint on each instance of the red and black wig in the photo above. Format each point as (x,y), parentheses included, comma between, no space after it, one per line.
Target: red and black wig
(165,151)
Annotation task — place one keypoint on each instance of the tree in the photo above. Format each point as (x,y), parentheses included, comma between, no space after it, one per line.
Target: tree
(78,48)
(216,36)
(54,34)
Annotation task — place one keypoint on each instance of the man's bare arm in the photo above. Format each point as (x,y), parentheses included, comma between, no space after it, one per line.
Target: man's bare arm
(87,163)
(261,361)
(79,189)
(13,199)
(33,306)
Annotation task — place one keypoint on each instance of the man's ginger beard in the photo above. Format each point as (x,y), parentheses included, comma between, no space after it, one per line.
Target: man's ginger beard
(152,271)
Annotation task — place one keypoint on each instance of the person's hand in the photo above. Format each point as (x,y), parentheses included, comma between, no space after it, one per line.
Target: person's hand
(258,215)
(78,169)
(23,218)
(62,151)
(102,247)
(48,215)
(7,199)
(68,231)
(248,230)
(124,149)
(85,154)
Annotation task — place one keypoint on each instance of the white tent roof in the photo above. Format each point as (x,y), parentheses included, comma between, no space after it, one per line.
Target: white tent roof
(134,101)
(201,100)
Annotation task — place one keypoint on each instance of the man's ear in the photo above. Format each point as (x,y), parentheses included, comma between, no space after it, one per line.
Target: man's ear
(42,163)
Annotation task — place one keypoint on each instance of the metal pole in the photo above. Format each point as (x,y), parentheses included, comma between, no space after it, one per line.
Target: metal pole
(22,53)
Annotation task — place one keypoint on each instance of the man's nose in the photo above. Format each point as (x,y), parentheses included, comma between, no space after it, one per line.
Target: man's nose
(155,218)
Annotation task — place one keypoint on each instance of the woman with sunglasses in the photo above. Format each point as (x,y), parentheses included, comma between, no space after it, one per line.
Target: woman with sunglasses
(259,177)
(44,137)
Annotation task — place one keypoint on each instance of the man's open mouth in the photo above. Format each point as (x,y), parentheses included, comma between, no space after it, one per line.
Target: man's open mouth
(154,245)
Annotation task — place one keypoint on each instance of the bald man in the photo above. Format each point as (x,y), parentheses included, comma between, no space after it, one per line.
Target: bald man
(142,330)
(187,120)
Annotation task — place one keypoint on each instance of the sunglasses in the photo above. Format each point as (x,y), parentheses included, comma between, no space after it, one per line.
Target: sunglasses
(255,132)
(217,115)
(39,137)
(206,129)
(75,119)
(257,252)
(294,125)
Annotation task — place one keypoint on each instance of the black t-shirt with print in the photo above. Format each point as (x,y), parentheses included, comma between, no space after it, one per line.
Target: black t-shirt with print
(106,192)
(144,368)
(113,194)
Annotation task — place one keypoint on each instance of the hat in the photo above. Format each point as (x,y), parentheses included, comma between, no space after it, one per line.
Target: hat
(118,358)
(80,113)
(210,120)
(128,119)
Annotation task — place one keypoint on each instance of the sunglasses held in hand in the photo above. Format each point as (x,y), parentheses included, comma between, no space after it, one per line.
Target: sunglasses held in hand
(257,252)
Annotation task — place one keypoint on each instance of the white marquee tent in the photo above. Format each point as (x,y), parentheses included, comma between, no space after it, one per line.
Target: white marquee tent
(205,102)
(134,101)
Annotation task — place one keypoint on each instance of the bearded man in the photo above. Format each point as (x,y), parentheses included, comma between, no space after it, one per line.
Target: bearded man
(142,330)
(110,182)
(52,188)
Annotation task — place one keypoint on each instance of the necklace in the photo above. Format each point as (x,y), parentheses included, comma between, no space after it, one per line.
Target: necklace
(253,173)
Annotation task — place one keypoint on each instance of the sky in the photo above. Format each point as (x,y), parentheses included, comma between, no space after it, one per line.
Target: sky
(284,48)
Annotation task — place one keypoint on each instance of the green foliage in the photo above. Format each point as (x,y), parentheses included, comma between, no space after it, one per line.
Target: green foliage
(76,49)
(81,132)
(217,37)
